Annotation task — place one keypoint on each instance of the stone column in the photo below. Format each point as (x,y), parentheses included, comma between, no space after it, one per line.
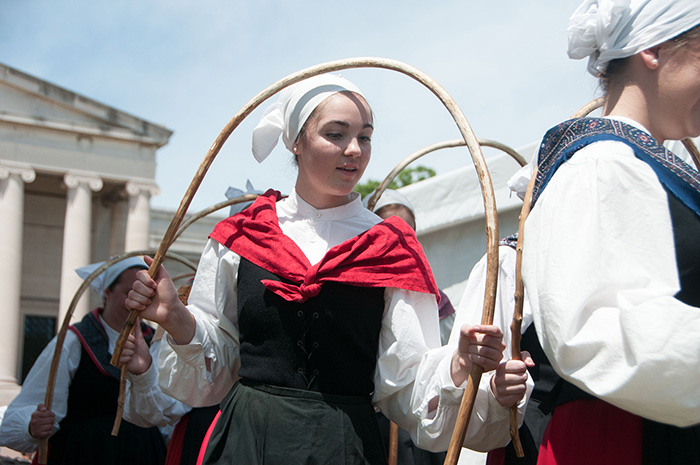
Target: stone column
(76,240)
(12,180)
(117,227)
(138,220)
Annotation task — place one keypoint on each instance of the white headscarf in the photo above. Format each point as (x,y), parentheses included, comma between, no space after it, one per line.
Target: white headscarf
(390,197)
(293,107)
(107,277)
(604,30)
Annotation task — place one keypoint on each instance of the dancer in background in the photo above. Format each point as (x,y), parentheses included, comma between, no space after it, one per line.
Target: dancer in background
(79,425)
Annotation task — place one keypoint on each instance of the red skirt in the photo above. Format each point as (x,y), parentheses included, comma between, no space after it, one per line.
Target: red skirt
(590,431)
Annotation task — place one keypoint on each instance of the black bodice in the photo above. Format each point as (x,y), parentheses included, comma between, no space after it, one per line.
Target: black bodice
(327,344)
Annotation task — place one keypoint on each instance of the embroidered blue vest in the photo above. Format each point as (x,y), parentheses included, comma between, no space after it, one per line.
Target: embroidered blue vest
(662,443)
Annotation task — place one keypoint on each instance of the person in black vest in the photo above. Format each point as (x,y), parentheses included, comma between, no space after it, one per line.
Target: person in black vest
(87,387)
(309,310)
(611,261)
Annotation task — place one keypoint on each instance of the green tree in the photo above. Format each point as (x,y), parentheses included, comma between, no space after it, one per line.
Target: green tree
(405,177)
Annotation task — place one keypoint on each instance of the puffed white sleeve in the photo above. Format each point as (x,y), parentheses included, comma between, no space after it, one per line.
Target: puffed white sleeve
(413,372)
(600,270)
(146,404)
(202,372)
(14,431)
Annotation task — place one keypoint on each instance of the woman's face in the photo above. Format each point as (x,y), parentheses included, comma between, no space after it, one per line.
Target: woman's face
(679,93)
(115,311)
(334,150)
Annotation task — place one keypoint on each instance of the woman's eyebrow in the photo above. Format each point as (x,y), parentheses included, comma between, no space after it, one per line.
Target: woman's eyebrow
(346,124)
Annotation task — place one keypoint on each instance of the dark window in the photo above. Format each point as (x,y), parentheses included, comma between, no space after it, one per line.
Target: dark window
(38,331)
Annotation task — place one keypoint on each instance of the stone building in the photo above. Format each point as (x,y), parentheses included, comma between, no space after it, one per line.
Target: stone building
(76,177)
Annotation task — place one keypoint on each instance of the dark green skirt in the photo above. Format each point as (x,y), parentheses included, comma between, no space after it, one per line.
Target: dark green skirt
(262,424)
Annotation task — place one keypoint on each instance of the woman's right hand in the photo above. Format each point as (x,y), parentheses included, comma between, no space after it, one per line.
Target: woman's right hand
(41,422)
(158,301)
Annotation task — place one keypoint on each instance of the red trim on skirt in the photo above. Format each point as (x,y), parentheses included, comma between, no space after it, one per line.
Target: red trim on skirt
(205,442)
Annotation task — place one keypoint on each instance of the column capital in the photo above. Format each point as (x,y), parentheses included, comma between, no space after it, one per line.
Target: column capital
(25,172)
(134,188)
(73,180)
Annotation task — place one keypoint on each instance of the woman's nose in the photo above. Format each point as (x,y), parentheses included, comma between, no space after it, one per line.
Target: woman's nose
(353,148)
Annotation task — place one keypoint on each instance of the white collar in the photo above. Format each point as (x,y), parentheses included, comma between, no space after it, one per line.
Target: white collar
(294,205)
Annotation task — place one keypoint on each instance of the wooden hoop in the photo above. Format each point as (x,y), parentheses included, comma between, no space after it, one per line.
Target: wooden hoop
(374,198)
(517,323)
(376,195)
(477,157)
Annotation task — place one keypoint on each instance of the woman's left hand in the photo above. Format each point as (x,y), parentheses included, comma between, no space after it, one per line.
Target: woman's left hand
(480,344)
(509,383)
(136,354)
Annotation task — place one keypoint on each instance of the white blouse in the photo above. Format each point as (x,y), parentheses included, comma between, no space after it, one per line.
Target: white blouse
(145,403)
(599,265)
(412,368)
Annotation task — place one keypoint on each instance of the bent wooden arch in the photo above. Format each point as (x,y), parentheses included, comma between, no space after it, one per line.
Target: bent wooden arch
(375,196)
(61,335)
(516,324)
(477,157)
(211,209)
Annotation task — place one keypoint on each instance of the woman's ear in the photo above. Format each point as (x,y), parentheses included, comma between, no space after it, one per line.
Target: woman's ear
(650,57)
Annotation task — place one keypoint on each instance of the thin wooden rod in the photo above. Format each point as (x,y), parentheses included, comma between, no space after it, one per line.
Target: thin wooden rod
(693,151)
(214,208)
(376,195)
(516,324)
(393,443)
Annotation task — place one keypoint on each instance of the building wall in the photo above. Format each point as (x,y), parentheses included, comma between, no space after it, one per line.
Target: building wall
(75,179)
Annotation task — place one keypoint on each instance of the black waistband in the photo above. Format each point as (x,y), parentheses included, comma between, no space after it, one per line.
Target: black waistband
(333,399)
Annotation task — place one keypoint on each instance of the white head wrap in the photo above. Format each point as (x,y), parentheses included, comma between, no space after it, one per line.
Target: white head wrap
(604,30)
(293,107)
(107,277)
(390,197)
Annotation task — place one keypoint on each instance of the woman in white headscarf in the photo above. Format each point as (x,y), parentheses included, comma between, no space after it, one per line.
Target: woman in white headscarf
(307,310)
(611,262)
(79,424)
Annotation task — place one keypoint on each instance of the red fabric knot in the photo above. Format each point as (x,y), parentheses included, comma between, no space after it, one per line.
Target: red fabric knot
(386,255)
(293,292)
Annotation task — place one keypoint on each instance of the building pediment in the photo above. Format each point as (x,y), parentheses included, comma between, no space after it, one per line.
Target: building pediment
(57,130)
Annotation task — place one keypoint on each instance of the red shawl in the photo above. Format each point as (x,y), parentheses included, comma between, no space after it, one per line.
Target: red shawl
(386,255)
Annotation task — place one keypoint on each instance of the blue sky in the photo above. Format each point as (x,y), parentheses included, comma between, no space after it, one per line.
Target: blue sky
(191,65)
